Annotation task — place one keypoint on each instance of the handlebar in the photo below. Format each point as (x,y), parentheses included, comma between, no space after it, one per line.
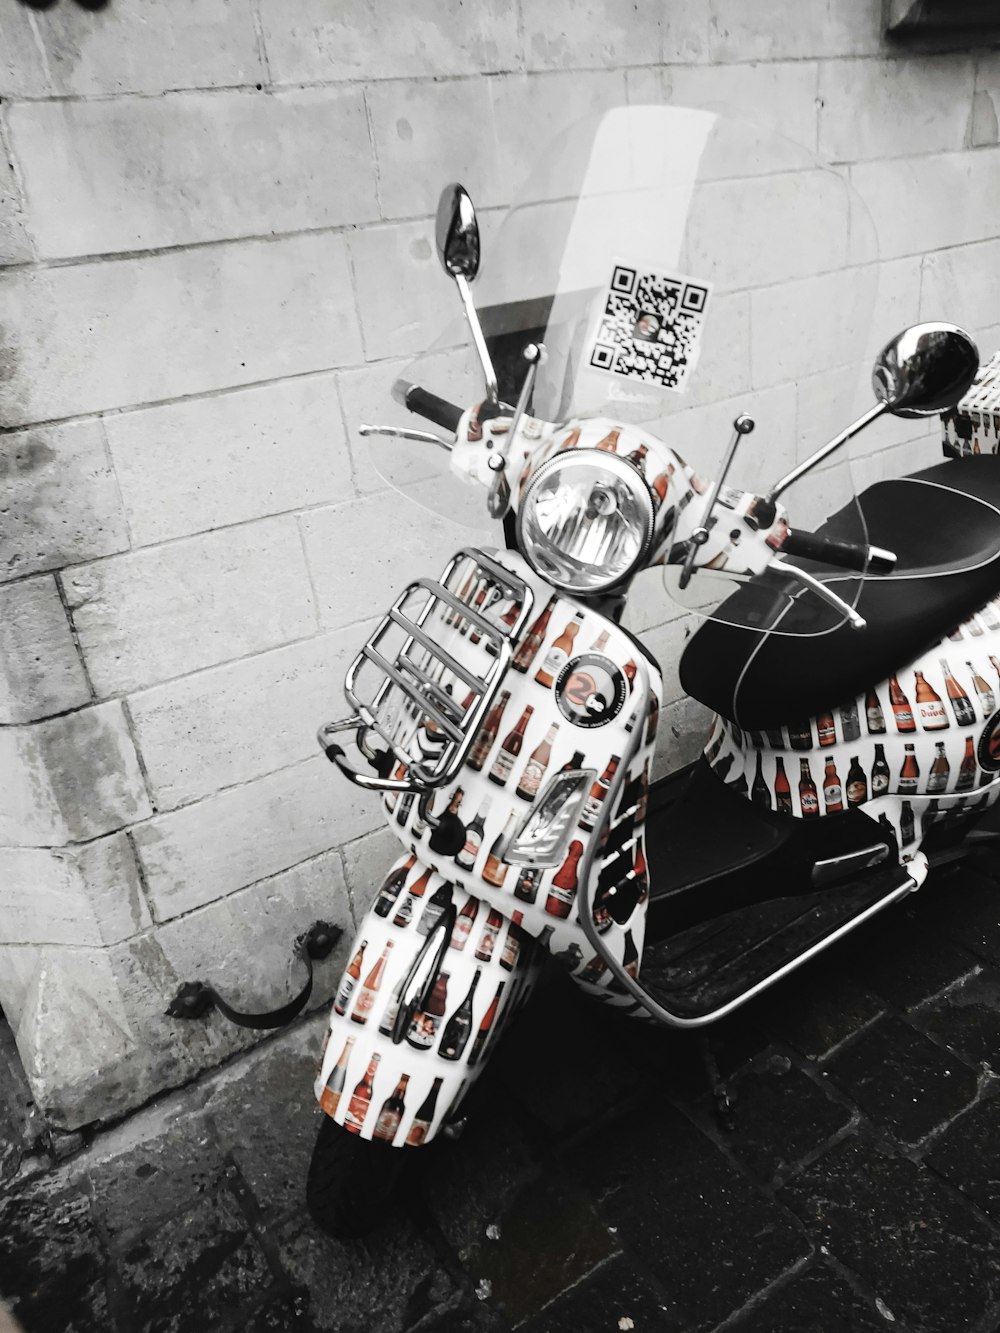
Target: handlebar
(428,405)
(848,555)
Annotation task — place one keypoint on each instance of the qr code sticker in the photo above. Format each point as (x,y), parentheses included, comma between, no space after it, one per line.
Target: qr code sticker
(651,327)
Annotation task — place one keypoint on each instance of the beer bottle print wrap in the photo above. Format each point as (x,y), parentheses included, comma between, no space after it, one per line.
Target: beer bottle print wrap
(558,654)
(499,916)
(387,1125)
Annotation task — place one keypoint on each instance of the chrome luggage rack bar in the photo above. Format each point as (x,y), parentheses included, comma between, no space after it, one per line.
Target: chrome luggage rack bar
(437,636)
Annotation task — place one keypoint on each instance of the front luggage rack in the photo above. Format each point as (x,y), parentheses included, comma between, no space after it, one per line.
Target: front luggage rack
(423,683)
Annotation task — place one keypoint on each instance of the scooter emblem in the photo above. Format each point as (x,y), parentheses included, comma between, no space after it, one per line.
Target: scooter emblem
(590,690)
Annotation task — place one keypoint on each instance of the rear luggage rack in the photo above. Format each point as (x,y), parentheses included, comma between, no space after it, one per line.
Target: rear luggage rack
(423,683)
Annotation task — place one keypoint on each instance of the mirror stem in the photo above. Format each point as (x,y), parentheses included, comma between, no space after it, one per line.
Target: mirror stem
(826,450)
(476,329)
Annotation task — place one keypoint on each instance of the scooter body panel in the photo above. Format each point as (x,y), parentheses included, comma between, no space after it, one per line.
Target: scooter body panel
(917,751)
(556,686)
(486,975)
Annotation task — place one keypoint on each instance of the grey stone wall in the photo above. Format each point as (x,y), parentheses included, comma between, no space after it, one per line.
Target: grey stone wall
(215,225)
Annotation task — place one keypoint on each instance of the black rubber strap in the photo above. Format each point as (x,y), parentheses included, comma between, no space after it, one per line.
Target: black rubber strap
(846,555)
(197,998)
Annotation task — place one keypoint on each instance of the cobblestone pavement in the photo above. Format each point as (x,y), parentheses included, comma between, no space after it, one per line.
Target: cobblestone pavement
(593,1190)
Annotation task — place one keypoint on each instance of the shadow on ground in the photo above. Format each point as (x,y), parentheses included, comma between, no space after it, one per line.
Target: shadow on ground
(593,1189)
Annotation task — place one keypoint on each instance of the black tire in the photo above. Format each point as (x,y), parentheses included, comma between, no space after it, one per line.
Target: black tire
(350,1181)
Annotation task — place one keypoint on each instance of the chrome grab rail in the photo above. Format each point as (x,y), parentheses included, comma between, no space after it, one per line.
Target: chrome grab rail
(409,695)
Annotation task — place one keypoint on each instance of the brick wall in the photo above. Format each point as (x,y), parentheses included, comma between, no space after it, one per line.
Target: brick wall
(215,218)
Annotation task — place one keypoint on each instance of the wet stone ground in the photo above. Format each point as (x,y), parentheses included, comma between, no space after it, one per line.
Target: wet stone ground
(594,1188)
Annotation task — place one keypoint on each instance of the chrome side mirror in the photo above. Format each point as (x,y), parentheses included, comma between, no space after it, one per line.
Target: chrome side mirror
(456,233)
(925,369)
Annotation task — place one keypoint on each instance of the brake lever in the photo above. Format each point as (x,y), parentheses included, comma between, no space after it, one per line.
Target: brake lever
(406,433)
(823,592)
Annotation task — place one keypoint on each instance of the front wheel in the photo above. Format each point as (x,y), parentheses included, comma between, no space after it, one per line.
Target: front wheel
(350,1181)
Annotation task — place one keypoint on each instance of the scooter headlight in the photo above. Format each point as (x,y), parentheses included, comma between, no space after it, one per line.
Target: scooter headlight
(585,520)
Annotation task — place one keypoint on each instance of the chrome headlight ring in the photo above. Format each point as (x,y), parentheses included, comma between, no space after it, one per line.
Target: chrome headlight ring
(585,521)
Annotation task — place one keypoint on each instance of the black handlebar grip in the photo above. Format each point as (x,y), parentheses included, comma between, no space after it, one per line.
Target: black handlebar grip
(429,405)
(811,546)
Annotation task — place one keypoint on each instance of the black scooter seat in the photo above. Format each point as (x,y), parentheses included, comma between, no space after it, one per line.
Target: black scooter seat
(943,524)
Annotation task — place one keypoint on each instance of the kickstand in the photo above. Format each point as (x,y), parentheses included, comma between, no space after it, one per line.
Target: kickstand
(725,1108)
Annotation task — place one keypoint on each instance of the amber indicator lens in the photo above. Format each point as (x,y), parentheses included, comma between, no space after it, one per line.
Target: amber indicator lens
(586,520)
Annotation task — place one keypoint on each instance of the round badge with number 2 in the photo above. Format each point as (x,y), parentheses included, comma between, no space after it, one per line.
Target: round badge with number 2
(590,690)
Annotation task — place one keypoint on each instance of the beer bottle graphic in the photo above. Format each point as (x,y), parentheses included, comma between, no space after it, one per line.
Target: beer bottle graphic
(466,858)
(486,589)
(640,872)
(987,699)
(495,869)
(759,791)
(594,970)
(526,887)
(330,1099)
(642,802)
(391,1011)
(901,710)
(800,735)
(349,980)
(463,924)
(361,1098)
(485,1026)
(387,1124)
(512,943)
(968,768)
(534,769)
(995,663)
(782,788)
(873,714)
(638,458)
(930,708)
(937,778)
(826,729)
(909,773)
(610,442)
(558,654)
(488,938)
(435,908)
(849,725)
(404,913)
(562,890)
(960,702)
(652,720)
(452,617)
(808,800)
(511,748)
(424,1024)
(906,825)
(391,888)
(487,734)
(526,653)
(880,772)
(366,995)
(833,792)
(591,812)
(600,643)
(424,1118)
(775,738)
(459,1026)
(857,784)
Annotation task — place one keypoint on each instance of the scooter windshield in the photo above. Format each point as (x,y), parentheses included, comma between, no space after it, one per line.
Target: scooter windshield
(681,268)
